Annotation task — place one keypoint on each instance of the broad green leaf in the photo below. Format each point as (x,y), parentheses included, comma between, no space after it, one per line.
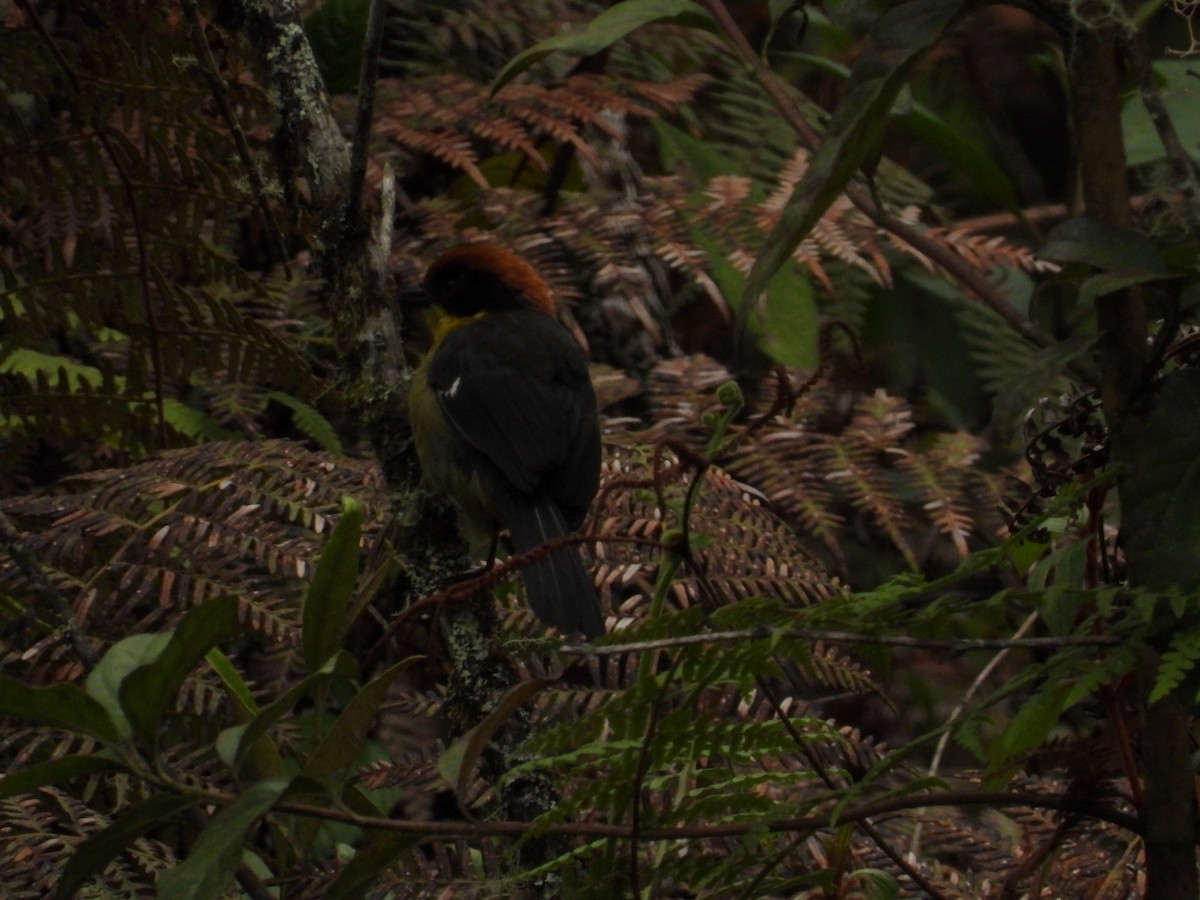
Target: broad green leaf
(969,156)
(65,768)
(1104,246)
(102,847)
(335,31)
(261,759)
(458,762)
(1181,93)
(702,157)
(1105,283)
(855,132)
(328,599)
(1160,499)
(234,743)
(789,325)
(791,320)
(65,706)
(104,681)
(215,855)
(966,155)
(360,874)
(345,740)
(605,30)
(146,692)
(239,692)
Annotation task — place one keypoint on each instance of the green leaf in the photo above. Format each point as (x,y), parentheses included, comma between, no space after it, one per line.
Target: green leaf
(959,150)
(605,30)
(310,421)
(260,758)
(217,852)
(1105,283)
(31,363)
(1142,143)
(791,320)
(1179,660)
(855,132)
(346,738)
(234,743)
(55,771)
(458,761)
(146,692)
(1161,494)
(65,706)
(328,597)
(104,681)
(193,423)
(790,323)
(1030,725)
(359,875)
(239,692)
(335,31)
(970,157)
(102,847)
(1105,246)
(677,146)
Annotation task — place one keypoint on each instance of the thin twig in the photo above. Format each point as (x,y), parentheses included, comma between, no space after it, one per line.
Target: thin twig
(600,830)
(953,645)
(984,674)
(220,95)
(1183,171)
(368,76)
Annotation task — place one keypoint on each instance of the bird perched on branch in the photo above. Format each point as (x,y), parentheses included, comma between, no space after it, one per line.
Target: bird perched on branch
(504,419)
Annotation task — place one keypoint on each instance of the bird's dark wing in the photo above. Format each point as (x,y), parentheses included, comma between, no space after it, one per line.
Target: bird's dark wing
(515,385)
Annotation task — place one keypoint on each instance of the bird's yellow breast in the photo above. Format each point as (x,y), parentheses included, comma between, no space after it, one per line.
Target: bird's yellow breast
(447,461)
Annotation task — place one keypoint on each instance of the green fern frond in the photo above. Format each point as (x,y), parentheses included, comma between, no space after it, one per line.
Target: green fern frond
(1176,664)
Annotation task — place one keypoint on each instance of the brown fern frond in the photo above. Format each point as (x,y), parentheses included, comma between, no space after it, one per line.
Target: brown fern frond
(743,549)
(130,220)
(824,472)
(41,832)
(457,120)
(135,548)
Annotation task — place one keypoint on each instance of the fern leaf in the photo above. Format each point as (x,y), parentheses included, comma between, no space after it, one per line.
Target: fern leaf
(310,421)
(1176,664)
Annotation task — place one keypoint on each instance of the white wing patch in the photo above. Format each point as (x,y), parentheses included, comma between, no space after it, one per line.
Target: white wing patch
(453,389)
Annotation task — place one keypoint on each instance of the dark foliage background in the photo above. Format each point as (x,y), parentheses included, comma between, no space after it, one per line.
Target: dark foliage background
(879,624)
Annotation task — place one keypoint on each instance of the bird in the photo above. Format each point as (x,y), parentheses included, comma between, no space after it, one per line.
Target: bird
(504,419)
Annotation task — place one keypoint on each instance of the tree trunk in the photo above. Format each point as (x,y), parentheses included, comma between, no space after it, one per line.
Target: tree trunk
(1168,808)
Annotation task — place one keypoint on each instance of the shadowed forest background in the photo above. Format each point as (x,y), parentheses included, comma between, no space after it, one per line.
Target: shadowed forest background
(892,315)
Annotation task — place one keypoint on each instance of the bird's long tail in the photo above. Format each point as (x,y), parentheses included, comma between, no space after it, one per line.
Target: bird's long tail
(559,589)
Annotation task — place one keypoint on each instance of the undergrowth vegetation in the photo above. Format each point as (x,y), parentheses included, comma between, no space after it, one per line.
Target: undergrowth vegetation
(896,534)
